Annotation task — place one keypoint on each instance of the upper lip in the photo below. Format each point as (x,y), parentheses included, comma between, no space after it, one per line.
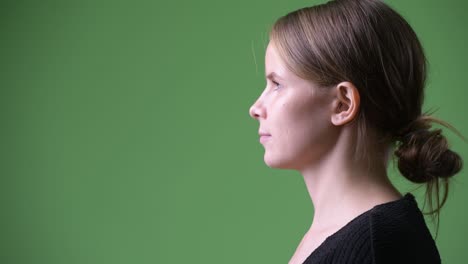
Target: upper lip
(262,133)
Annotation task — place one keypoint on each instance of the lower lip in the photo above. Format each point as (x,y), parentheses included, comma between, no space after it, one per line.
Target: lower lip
(264,139)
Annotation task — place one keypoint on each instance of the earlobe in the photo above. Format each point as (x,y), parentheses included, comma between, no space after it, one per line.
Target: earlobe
(346,104)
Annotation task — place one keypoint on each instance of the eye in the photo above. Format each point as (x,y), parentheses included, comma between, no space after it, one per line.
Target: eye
(277,85)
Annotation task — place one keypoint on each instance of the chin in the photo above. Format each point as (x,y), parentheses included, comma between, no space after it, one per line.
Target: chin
(276,163)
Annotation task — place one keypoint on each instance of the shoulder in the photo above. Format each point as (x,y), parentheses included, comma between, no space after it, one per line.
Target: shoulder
(394,232)
(350,244)
(399,233)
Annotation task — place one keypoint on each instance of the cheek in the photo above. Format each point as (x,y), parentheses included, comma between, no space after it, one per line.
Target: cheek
(303,134)
(306,114)
(308,126)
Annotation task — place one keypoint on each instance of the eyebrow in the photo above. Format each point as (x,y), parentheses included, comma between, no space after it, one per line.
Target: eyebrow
(273,75)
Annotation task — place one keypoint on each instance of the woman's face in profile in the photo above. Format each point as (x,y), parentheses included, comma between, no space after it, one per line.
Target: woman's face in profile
(295,114)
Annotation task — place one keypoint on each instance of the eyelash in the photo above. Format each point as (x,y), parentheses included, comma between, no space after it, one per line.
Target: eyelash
(275,83)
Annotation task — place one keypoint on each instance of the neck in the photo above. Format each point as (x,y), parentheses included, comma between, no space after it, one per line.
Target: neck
(341,188)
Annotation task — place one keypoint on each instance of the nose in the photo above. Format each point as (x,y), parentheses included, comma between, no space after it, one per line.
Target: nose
(257,110)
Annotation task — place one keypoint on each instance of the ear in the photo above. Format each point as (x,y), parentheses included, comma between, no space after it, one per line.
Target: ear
(346,103)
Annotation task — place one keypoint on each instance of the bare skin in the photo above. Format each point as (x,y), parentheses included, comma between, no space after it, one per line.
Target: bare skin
(312,131)
(342,189)
(335,208)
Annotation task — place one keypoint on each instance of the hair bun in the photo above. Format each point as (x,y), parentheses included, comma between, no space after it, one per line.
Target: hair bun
(424,155)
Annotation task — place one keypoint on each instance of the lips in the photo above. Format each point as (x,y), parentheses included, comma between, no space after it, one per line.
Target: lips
(264,136)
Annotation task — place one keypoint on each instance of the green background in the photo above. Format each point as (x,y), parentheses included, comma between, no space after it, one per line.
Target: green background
(126,137)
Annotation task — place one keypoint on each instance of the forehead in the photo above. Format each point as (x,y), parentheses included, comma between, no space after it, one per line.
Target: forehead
(275,65)
(275,68)
(273,62)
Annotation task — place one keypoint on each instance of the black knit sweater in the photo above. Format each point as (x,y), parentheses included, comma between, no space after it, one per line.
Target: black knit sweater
(393,232)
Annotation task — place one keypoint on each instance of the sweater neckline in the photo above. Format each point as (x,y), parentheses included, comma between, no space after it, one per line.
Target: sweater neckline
(407,197)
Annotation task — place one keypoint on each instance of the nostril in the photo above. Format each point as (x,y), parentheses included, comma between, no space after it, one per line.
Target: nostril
(257,110)
(252,112)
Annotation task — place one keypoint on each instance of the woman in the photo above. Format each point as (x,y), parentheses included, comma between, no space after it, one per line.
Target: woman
(345,88)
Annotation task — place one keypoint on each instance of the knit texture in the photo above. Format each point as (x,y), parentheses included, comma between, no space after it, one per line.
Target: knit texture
(393,232)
